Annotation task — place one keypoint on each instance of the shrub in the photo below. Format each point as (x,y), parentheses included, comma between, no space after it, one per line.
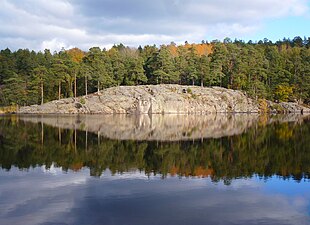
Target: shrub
(82,101)
(283,92)
(263,105)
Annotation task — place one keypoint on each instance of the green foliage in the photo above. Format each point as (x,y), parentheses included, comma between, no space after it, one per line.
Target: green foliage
(283,92)
(218,60)
(9,109)
(260,69)
(263,106)
(82,101)
(164,68)
(278,108)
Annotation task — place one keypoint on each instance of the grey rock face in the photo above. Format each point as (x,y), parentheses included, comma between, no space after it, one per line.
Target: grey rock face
(152,99)
(287,107)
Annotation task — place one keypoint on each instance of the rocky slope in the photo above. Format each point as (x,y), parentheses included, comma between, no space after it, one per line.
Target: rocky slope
(154,99)
(159,99)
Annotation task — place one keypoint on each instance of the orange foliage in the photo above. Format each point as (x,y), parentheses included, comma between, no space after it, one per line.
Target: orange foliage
(174,171)
(173,50)
(201,49)
(199,171)
(76,54)
(202,172)
(76,166)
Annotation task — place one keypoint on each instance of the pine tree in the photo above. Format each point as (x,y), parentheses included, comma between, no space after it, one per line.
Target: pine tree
(218,60)
(39,76)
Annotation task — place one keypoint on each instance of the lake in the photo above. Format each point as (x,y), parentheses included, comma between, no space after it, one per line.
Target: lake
(159,169)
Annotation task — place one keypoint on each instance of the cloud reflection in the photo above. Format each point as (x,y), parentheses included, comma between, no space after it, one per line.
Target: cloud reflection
(36,197)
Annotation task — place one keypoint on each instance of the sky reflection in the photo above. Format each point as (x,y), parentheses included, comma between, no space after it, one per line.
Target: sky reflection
(40,196)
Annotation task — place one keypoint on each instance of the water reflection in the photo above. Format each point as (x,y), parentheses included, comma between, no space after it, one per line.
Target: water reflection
(78,170)
(133,198)
(248,145)
(160,127)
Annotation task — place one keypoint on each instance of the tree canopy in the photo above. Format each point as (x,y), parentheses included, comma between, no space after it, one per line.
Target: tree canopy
(277,71)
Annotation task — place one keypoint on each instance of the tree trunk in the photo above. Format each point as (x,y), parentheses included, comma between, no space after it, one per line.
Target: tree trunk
(42,133)
(86,139)
(59,135)
(85,85)
(74,85)
(231,80)
(75,138)
(70,86)
(42,92)
(98,86)
(59,89)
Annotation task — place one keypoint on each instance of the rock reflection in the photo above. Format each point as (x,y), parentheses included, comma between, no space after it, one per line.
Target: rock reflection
(160,127)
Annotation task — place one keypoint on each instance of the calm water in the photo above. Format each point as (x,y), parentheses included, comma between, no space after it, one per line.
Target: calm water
(214,169)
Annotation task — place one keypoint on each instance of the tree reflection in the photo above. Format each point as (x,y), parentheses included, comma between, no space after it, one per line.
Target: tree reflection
(265,149)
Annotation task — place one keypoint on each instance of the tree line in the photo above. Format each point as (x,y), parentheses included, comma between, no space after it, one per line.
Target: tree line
(277,71)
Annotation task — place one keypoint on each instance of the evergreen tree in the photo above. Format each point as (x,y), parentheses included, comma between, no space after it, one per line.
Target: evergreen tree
(118,66)
(39,77)
(218,60)
(60,72)
(14,91)
(203,69)
(135,72)
(165,70)
(192,69)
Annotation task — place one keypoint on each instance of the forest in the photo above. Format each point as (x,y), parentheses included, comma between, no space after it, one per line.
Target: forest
(277,71)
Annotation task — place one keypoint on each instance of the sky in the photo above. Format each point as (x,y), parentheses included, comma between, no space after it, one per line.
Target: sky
(57,24)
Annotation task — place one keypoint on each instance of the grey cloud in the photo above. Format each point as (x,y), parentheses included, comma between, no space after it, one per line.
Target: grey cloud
(191,11)
(134,9)
(36,24)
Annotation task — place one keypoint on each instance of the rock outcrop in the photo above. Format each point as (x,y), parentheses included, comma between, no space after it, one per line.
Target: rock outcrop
(152,99)
(287,107)
(163,99)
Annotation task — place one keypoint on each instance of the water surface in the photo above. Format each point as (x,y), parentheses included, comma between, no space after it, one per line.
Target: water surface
(214,169)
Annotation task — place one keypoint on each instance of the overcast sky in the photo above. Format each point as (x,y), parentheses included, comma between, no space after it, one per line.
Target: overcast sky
(53,24)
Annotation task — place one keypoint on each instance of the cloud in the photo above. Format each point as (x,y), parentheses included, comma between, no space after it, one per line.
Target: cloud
(39,24)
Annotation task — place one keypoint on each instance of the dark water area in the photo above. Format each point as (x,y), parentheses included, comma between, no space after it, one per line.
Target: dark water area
(214,169)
